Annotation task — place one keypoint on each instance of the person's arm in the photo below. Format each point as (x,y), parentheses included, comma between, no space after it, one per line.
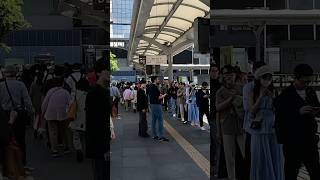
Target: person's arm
(222,104)
(26,99)
(253,106)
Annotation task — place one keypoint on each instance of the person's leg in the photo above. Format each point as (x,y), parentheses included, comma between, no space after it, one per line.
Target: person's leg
(174,107)
(201,113)
(144,124)
(65,134)
(311,161)
(140,133)
(182,111)
(292,161)
(53,135)
(20,137)
(77,140)
(229,145)
(241,140)
(160,122)
(100,169)
(153,122)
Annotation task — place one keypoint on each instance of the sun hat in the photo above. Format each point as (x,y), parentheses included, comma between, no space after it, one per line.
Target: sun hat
(262,71)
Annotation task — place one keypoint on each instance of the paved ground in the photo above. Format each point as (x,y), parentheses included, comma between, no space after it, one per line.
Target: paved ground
(48,168)
(135,158)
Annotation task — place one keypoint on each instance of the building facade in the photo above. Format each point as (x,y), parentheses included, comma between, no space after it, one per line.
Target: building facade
(278,42)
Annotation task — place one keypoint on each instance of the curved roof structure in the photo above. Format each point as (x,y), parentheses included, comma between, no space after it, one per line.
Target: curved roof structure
(158,24)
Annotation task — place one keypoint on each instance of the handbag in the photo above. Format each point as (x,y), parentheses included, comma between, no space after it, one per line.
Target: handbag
(14,168)
(72,111)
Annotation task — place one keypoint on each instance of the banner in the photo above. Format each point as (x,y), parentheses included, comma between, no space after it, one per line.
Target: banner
(156,60)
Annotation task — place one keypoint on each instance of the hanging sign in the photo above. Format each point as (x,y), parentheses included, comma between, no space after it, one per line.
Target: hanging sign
(156,60)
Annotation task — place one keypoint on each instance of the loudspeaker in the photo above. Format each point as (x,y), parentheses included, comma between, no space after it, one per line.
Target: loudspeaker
(202,35)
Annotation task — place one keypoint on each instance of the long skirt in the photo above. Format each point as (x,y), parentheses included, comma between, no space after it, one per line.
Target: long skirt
(266,158)
(193,113)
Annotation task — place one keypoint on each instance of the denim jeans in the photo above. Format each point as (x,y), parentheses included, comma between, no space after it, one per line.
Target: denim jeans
(157,120)
(173,105)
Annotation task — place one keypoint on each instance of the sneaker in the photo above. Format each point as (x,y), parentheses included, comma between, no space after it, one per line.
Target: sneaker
(28,168)
(155,138)
(79,156)
(182,120)
(202,128)
(174,115)
(66,151)
(193,124)
(55,154)
(164,139)
(185,122)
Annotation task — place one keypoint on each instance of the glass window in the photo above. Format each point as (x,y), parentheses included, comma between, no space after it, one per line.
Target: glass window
(276,4)
(236,4)
(318,32)
(204,71)
(276,34)
(196,61)
(317,4)
(301,32)
(301,4)
(196,72)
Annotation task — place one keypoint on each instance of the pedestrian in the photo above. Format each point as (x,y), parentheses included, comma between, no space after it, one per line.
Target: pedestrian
(181,100)
(36,95)
(266,153)
(296,127)
(172,93)
(229,106)
(115,94)
(15,100)
(98,133)
(247,90)
(142,107)
(54,108)
(203,103)
(127,97)
(78,125)
(134,100)
(193,111)
(155,98)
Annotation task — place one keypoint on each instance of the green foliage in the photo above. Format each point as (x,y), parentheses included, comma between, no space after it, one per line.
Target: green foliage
(11,19)
(113,62)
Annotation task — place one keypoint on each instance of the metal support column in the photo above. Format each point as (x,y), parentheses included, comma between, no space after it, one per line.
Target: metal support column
(170,68)
(258,31)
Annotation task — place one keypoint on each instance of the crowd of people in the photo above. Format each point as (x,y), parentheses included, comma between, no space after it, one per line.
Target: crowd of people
(185,102)
(65,105)
(260,132)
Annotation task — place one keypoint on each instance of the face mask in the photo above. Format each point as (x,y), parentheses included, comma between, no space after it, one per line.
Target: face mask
(265,83)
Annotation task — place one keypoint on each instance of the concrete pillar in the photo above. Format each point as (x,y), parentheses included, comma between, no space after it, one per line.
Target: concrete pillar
(170,68)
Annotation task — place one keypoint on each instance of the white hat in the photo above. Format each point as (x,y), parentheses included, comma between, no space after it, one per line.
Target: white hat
(262,71)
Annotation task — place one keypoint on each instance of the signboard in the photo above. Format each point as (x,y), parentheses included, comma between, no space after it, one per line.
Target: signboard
(156,60)
(99,4)
(142,60)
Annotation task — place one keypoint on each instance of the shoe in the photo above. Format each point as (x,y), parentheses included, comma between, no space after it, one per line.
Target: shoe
(155,138)
(145,136)
(202,128)
(182,120)
(66,151)
(79,156)
(185,122)
(174,115)
(55,154)
(193,124)
(164,139)
(28,168)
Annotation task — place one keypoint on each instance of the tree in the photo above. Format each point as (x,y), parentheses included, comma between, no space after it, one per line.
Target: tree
(11,19)
(113,62)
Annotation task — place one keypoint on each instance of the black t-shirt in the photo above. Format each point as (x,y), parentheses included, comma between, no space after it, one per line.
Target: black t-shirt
(201,101)
(154,93)
(172,92)
(97,121)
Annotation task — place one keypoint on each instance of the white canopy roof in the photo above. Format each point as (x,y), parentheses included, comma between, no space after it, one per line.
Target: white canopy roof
(157,24)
